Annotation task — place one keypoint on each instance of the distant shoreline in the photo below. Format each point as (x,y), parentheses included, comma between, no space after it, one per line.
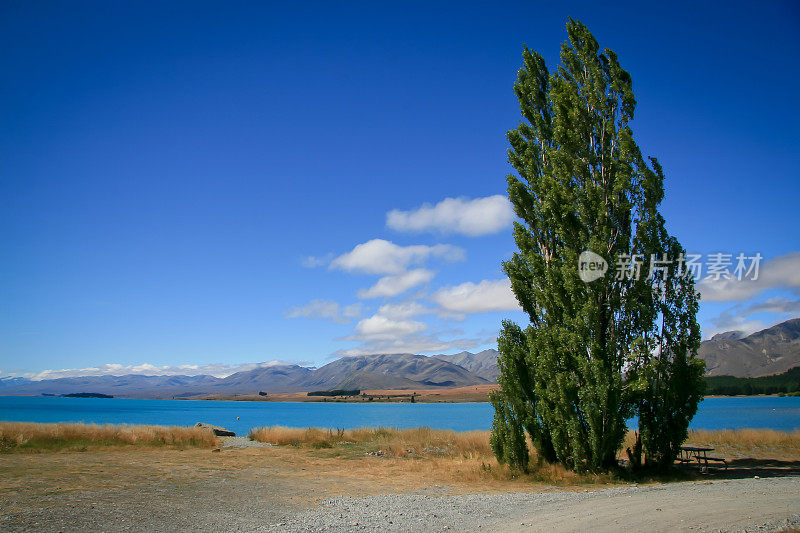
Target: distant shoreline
(457,395)
(472,394)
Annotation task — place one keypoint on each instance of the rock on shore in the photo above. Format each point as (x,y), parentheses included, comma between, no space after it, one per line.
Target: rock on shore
(218,431)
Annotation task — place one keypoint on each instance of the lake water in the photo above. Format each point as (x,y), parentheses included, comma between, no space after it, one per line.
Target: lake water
(714,413)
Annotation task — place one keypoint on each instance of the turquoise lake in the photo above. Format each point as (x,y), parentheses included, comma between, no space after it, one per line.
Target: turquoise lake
(714,413)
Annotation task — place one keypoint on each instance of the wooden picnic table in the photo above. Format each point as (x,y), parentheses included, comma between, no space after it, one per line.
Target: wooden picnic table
(690,454)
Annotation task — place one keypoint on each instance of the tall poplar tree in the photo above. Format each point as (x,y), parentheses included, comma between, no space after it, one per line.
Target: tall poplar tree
(595,352)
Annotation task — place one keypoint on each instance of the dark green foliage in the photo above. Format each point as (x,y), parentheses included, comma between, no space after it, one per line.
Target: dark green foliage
(666,377)
(595,353)
(508,437)
(786,383)
(335,392)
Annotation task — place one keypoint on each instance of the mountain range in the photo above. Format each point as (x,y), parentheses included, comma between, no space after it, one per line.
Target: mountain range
(383,371)
(769,351)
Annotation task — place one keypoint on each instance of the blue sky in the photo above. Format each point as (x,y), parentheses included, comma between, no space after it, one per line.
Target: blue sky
(189,184)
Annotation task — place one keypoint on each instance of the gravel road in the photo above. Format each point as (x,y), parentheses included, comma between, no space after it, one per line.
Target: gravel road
(735,505)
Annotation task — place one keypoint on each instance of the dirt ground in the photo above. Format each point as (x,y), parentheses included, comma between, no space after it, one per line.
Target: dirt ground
(736,505)
(136,489)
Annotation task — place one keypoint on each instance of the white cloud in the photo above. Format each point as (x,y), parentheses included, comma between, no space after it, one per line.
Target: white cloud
(379,256)
(402,310)
(740,317)
(146,369)
(393,285)
(326,310)
(381,327)
(392,330)
(314,262)
(352,310)
(728,321)
(480,216)
(782,272)
(417,344)
(775,305)
(488,295)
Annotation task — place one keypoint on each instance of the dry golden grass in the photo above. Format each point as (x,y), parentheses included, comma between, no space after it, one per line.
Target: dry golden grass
(467,456)
(418,453)
(746,438)
(25,436)
(739,443)
(462,456)
(753,443)
(398,442)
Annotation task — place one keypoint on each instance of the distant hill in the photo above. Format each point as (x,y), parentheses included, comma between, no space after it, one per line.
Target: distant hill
(483,364)
(273,378)
(131,385)
(770,351)
(392,371)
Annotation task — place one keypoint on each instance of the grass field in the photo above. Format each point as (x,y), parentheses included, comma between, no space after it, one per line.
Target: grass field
(468,455)
(427,441)
(752,443)
(418,453)
(25,436)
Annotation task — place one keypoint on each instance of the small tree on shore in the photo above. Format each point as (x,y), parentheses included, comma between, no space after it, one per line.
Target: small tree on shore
(595,352)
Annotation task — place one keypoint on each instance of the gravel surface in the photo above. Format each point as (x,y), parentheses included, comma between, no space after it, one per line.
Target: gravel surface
(256,488)
(736,505)
(241,443)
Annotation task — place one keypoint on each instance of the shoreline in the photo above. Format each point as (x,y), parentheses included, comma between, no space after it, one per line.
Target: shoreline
(471,394)
(383,397)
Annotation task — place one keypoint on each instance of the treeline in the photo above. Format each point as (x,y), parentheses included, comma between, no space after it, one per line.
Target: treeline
(785,383)
(335,392)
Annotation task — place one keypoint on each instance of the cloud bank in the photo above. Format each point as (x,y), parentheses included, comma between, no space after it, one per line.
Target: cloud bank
(781,272)
(218,370)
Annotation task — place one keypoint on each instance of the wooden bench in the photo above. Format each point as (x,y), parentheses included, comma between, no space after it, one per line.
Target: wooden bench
(718,460)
